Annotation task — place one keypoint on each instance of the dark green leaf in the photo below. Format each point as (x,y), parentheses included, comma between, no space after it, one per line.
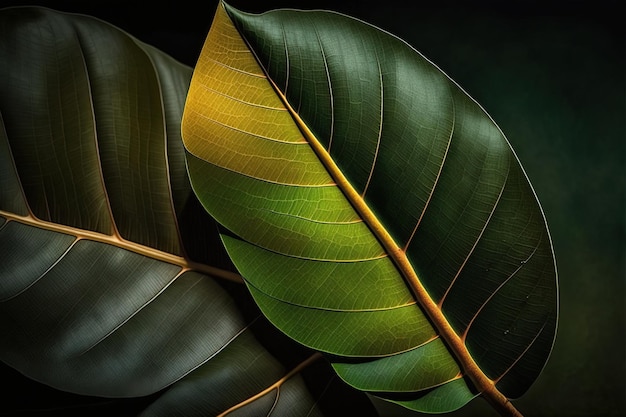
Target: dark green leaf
(108,263)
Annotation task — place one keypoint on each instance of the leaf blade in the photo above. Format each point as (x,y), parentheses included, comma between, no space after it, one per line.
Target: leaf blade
(130,306)
(435,221)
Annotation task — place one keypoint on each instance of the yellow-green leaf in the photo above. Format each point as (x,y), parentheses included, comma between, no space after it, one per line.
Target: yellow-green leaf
(374,209)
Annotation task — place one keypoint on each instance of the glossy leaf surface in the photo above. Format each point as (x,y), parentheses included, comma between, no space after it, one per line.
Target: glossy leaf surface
(108,263)
(376,212)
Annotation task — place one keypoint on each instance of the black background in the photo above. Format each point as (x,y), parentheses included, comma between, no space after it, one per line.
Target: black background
(552,76)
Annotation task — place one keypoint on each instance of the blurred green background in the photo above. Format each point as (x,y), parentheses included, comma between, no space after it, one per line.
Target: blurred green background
(552,75)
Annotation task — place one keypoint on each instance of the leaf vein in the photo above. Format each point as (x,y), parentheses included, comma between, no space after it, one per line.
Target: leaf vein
(239,70)
(114,230)
(168,179)
(432,190)
(118,326)
(256,135)
(50,268)
(14,166)
(493,294)
(480,235)
(282,26)
(521,355)
(330,91)
(249,103)
(380,126)
(359,220)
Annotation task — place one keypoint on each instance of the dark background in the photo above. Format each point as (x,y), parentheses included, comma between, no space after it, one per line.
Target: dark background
(552,75)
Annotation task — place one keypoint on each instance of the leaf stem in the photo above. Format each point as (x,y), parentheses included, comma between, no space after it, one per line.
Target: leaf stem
(275,385)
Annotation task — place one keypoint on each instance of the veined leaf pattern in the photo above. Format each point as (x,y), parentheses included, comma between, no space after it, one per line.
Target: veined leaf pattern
(108,263)
(376,212)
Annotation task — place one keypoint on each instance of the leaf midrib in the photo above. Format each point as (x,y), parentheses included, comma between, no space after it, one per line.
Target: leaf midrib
(275,386)
(185,263)
(456,345)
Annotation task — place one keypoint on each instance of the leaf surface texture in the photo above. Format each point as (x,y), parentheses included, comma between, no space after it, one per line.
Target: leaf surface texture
(108,262)
(376,212)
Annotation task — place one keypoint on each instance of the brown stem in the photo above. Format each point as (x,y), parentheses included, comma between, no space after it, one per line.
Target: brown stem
(116,240)
(275,385)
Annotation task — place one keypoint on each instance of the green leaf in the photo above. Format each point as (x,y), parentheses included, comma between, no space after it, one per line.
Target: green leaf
(375,211)
(113,279)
